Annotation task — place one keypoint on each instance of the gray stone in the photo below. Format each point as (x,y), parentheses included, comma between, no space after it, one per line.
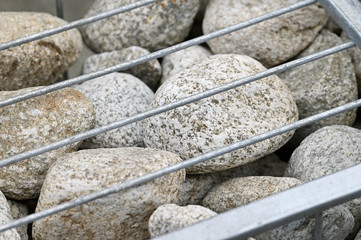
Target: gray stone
(271,165)
(170,217)
(116,96)
(271,42)
(195,187)
(321,85)
(155,26)
(122,215)
(326,151)
(337,221)
(19,210)
(149,72)
(358,236)
(34,123)
(223,119)
(176,62)
(5,217)
(40,62)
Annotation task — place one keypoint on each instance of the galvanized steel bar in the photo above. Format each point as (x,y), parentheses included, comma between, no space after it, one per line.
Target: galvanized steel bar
(173,105)
(347,14)
(154,55)
(59,9)
(294,204)
(317,232)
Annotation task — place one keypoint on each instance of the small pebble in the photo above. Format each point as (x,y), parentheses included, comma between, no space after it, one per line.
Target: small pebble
(18,210)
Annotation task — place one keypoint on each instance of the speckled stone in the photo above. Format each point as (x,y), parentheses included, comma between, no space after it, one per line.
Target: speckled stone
(19,210)
(321,85)
(170,217)
(40,62)
(117,96)
(175,62)
(149,72)
(223,119)
(5,217)
(326,151)
(196,186)
(337,222)
(358,236)
(155,26)
(123,215)
(34,123)
(271,165)
(270,42)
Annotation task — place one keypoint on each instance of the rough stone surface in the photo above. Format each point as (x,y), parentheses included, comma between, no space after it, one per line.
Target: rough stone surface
(123,215)
(326,151)
(155,26)
(321,85)
(223,119)
(195,187)
(19,210)
(40,62)
(170,217)
(5,217)
(149,72)
(337,222)
(270,42)
(116,96)
(34,123)
(176,62)
(271,165)
(358,236)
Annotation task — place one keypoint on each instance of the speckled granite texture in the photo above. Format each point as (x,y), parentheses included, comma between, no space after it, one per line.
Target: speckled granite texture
(116,96)
(170,217)
(18,210)
(123,215)
(34,123)
(5,217)
(38,63)
(223,119)
(149,72)
(155,26)
(271,42)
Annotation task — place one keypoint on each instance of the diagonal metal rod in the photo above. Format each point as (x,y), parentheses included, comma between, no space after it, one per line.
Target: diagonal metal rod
(154,55)
(159,173)
(173,105)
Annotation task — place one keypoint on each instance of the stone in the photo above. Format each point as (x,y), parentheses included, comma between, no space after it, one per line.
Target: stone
(5,217)
(32,124)
(170,217)
(337,221)
(321,85)
(271,42)
(122,215)
(223,119)
(40,62)
(328,150)
(332,26)
(18,210)
(271,165)
(358,236)
(116,96)
(149,72)
(195,187)
(175,62)
(155,26)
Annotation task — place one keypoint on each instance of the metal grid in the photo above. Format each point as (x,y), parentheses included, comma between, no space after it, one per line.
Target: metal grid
(261,215)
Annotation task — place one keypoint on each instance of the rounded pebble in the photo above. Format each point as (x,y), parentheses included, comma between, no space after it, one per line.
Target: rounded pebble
(5,217)
(19,210)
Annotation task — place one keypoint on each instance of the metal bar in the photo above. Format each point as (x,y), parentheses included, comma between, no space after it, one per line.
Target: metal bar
(154,55)
(294,208)
(59,9)
(173,105)
(347,14)
(317,232)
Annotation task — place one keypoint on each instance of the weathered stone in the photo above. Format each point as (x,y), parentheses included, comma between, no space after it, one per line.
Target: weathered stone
(321,85)
(34,123)
(223,119)
(122,215)
(271,165)
(149,72)
(19,210)
(170,217)
(40,62)
(332,26)
(195,187)
(271,42)
(176,62)
(326,151)
(358,236)
(155,26)
(5,217)
(116,96)
(337,221)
